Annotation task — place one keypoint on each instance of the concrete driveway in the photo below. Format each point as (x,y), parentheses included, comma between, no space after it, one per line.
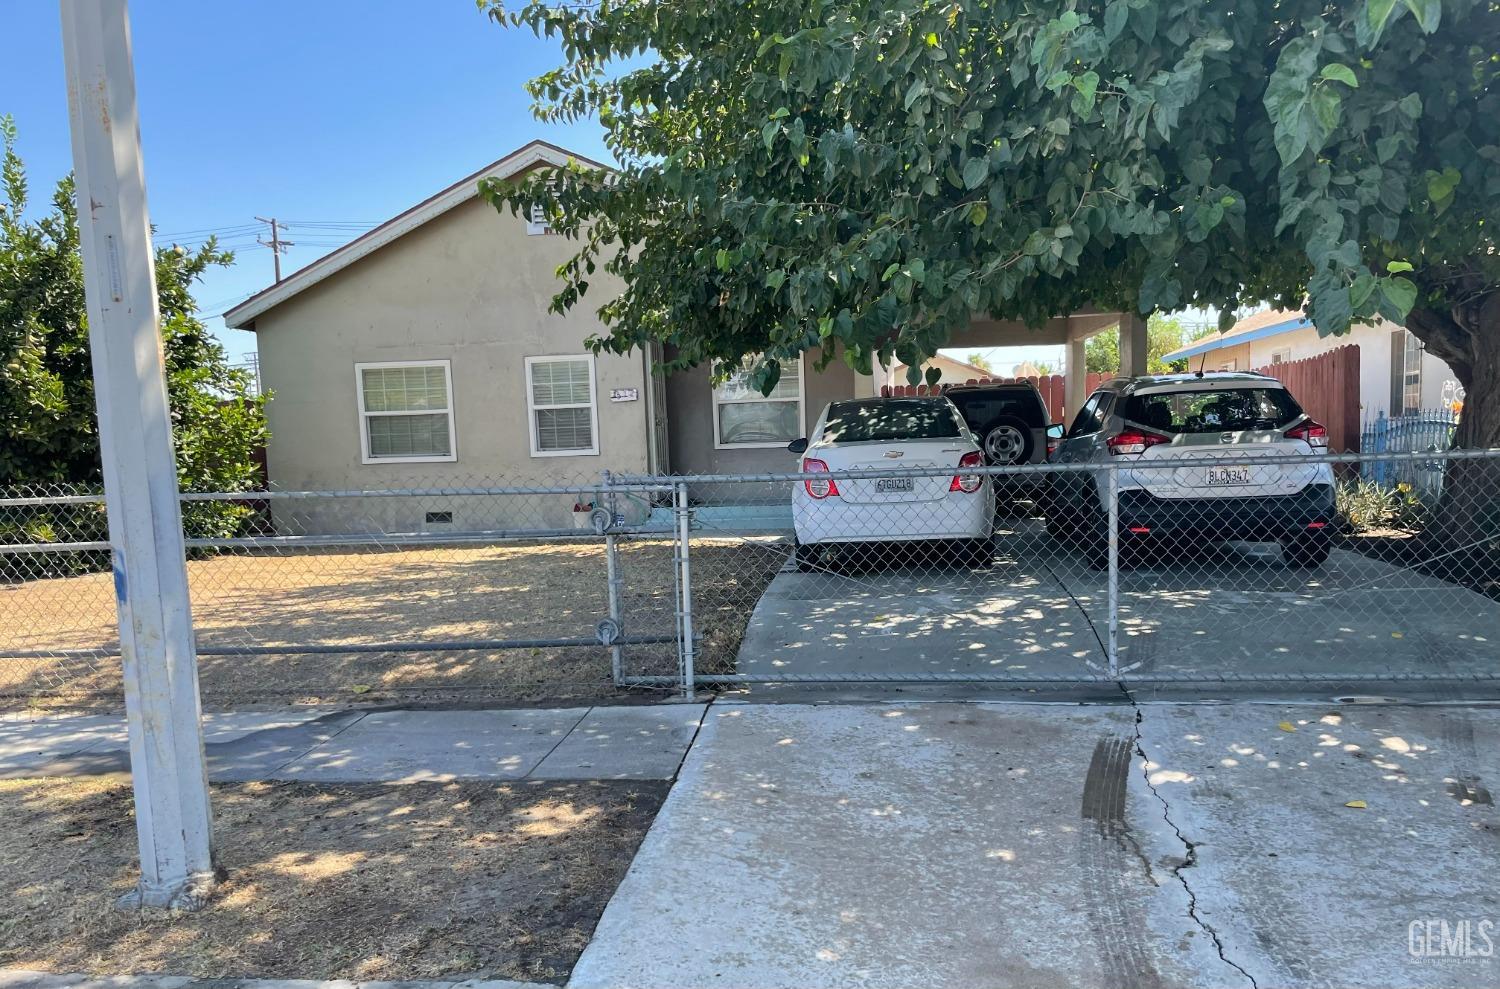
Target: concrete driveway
(975,845)
(1232,612)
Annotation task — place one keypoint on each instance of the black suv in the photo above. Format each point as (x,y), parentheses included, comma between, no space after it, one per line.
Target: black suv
(1010,422)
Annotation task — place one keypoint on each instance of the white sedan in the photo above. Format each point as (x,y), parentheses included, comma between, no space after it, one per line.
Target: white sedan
(896,435)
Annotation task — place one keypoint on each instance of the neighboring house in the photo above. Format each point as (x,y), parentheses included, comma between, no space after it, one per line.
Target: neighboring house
(1029,369)
(1397,375)
(952,371)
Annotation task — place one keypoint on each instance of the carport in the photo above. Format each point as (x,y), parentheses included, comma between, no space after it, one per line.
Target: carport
(1071,331)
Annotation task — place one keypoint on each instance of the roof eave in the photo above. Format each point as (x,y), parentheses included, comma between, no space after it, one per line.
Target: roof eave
(242,316)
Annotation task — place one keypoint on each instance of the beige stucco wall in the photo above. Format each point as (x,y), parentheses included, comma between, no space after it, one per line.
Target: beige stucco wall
(471,287)
(691,425)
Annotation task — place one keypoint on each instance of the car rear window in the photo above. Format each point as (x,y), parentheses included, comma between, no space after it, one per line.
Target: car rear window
(1213,410)
(890,419)
(981,408)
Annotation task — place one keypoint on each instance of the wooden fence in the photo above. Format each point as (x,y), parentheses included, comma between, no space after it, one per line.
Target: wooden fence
(1052,387)
(1326,386)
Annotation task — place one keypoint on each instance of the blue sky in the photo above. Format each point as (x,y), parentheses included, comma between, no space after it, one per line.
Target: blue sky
(330,115)
(323,112)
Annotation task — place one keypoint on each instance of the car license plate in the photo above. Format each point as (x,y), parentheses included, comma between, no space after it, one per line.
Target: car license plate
(893,484)
(1220,476)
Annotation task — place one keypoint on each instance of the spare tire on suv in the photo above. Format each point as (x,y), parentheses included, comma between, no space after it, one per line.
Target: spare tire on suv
(1009,441)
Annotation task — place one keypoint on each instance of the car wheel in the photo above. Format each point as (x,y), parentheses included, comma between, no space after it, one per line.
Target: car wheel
(976,554)
(1306,551)
(1009,441)
(1057,523)
(806,558)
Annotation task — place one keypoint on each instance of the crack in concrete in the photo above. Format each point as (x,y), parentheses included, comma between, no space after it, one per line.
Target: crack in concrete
(1190,859)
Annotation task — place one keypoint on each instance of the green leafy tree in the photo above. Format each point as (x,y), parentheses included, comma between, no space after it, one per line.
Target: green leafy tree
(1164,334)
(979,361)
(836,172)
(47,413)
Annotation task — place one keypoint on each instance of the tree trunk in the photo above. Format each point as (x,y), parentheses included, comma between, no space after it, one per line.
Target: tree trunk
(1461,540)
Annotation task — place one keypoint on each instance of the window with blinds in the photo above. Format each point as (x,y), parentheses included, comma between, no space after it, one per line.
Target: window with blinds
(563,406)
(405,412)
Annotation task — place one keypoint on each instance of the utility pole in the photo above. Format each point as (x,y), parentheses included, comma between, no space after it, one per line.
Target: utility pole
(276,244)
(174,824)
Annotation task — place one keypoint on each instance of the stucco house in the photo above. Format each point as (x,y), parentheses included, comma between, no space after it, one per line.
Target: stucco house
(951,371)
(1397,375)
(423,355)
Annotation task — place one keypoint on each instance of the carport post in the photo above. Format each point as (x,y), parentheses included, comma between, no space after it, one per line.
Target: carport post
(1113,656)
(1076,380)
(173,822)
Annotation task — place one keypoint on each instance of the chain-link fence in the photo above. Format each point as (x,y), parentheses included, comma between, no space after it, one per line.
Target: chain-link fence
(504,593)
(1231,565)
(1224,566)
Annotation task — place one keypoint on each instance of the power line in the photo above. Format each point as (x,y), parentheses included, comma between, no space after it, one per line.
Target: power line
(207,231)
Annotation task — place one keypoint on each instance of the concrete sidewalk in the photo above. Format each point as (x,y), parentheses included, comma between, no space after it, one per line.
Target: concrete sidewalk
(638,742)
(981,845)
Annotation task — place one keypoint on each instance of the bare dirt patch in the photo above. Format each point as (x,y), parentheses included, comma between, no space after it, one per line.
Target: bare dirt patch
(417,881)
(380,595)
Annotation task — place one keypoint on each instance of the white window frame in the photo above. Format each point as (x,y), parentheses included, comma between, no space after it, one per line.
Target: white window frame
(1282,356)
(365,416)
(713,400)
(532,408)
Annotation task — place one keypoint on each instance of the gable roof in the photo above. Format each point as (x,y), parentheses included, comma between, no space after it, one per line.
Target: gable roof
(961,365)
(523,158)
(1272,322)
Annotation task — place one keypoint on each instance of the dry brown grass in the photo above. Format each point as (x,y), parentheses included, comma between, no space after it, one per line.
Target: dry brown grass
(450,881)
(510,591)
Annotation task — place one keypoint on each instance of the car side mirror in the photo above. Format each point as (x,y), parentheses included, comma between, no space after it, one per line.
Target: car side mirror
(797,446)
(1055,431)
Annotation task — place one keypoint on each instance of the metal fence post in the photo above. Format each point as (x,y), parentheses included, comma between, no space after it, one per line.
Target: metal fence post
(612,581)
(685,583)
(1114,571)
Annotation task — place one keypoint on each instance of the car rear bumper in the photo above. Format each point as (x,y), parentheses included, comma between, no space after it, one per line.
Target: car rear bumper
(958,516)
(1256,518)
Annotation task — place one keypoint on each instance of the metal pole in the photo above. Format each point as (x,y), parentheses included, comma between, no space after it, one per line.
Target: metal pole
(1114,572)
(173,821)
(612,586)
(685,579)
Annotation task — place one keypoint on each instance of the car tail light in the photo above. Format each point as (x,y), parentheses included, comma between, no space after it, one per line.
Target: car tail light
(1311,432)
(819,488)
(968,483)
(1052,442)
(1134,441)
